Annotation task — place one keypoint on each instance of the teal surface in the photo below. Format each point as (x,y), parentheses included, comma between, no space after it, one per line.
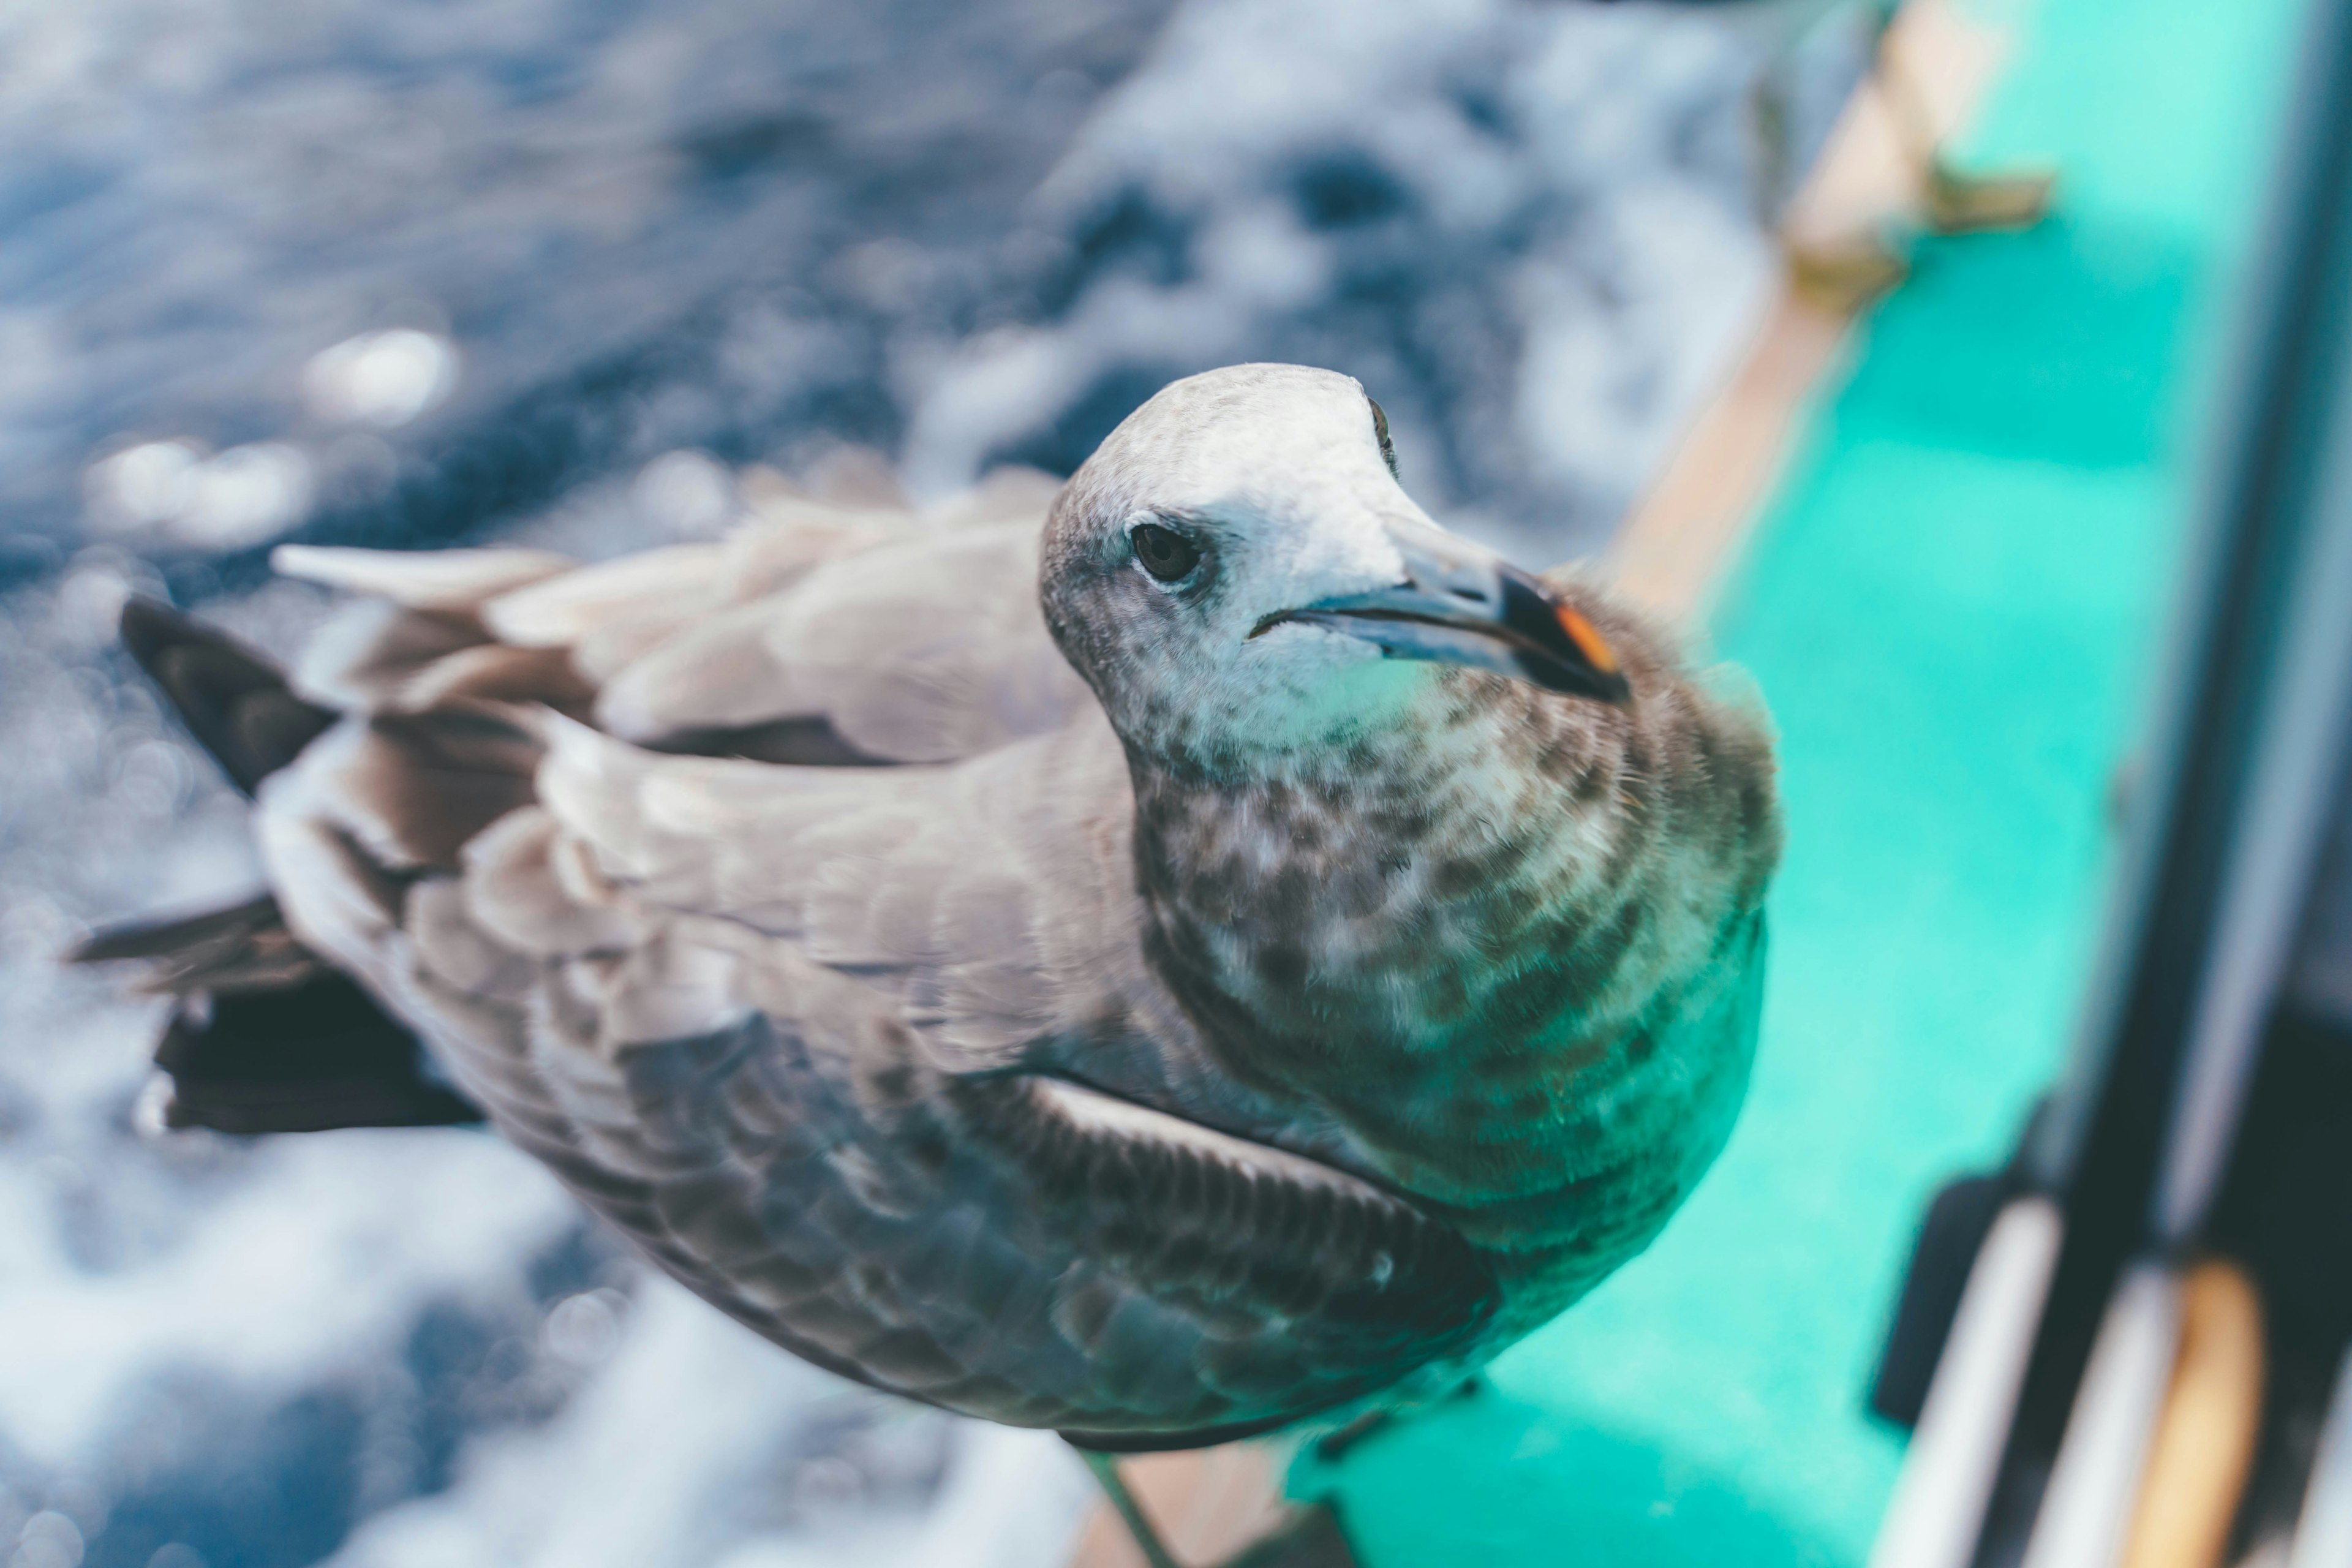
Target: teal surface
(1949,605)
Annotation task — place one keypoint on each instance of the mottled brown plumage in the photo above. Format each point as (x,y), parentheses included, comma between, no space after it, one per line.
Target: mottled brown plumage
(1352,963)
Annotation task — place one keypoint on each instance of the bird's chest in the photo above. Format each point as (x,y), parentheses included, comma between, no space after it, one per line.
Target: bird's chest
(1521,1002)
(1345,926)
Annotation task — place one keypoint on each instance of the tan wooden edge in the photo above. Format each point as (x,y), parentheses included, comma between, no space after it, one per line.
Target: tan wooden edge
(2203,1446)
(1676,545)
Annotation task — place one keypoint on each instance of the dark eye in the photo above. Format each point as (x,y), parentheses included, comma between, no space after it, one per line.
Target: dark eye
(1165,554)
(1381,429)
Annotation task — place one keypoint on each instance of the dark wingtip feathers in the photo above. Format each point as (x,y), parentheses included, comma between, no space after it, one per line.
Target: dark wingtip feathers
(311,1057)
(265,1038)
(216,938)
(235,702)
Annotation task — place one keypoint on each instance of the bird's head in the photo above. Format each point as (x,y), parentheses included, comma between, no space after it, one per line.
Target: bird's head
(1238,555)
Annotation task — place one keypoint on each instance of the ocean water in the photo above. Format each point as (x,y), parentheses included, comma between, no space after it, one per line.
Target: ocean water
(405,272)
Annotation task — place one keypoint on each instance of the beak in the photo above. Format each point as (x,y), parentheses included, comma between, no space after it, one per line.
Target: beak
(1460,604)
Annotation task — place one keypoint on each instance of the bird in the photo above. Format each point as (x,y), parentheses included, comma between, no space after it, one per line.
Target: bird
(1163,957)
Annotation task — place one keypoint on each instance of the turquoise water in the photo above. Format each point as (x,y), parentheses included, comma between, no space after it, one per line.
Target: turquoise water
(1949,604)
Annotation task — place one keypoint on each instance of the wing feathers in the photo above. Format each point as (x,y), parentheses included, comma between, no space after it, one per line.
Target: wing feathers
(527,886)
(412,789)
(367,654)
(562,612)
(726,671)
(496,674)
(418,580)
(1193,1209)
(235,702)
(245,948)
(816,633)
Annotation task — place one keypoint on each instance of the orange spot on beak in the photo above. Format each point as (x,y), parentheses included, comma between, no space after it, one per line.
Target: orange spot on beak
(1589,642)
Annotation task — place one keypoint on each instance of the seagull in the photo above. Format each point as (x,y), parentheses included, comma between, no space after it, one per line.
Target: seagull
(1229,955)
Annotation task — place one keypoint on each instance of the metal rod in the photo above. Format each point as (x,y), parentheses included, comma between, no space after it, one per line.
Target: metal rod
(2323,1533)
(2088,1507)
(1938,1505)
(1114,1486)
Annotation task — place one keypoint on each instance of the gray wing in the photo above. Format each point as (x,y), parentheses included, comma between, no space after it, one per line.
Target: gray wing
(814,1037)
(812,633)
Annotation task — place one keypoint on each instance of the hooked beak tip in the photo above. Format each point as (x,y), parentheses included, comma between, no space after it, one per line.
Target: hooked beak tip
(1559,647)
(1608,677)
(1589,641)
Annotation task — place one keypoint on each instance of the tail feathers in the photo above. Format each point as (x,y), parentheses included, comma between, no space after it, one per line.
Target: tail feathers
(267,1038)
(235,702)
(245,947)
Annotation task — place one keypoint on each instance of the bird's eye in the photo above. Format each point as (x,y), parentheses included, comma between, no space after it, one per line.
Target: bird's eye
(1165,554)
(1381,429)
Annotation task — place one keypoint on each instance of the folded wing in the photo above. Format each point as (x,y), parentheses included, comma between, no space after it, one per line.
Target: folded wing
(812,633)
(833,1042)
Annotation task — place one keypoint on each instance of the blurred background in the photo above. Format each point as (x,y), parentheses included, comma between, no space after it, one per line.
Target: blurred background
(602,274)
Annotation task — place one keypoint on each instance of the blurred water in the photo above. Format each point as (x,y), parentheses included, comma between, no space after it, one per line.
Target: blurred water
(405,271)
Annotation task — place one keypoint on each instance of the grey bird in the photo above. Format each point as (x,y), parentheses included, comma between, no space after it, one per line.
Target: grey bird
(1233,953)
